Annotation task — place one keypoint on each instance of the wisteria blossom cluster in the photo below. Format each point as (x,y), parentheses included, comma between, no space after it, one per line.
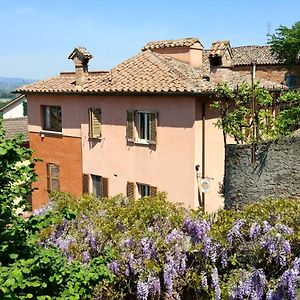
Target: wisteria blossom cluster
(164,252)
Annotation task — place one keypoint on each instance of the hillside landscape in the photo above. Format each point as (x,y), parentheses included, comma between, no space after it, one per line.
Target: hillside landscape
(8,85)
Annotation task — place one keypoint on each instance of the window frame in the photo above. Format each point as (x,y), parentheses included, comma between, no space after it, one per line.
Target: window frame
(143,127)
(102,186)
(141,188)
(48,118)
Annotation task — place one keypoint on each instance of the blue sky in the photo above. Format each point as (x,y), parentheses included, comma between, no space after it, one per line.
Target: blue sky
(37,36)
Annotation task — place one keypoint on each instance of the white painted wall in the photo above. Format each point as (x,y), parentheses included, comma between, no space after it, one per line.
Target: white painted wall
(15,110)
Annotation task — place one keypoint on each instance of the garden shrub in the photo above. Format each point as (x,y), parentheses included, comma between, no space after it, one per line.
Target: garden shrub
(162,251)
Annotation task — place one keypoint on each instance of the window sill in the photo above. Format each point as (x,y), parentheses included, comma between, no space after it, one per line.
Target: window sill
(142,142)
(49,132)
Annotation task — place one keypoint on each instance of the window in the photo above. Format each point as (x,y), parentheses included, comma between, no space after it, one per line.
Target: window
(52,118)
(52,177)
(141,127)
(94,123)
(144,190)
(99,186)
(291,81)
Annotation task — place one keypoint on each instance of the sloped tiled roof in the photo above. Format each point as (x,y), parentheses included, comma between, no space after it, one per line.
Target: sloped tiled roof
(262,55)
(187,42)
(12,101)
(15,126)
(146,72)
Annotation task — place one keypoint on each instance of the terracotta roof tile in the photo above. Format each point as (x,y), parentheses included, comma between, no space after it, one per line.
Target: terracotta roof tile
(245,55)
(146,72)
(187,42)
(15,126)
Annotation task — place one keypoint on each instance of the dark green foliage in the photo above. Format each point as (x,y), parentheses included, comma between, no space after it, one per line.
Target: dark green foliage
(246,125)
(285,44)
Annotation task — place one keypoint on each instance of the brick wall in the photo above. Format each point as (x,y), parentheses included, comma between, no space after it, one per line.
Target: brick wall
(274,73)
(62,151)
(275,174)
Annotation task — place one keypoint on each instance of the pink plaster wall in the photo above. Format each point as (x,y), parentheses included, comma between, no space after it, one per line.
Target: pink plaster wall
(170,165)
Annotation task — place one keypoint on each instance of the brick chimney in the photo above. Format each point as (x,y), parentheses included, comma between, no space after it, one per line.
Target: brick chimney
(188,50)
(80,57)
(220,54)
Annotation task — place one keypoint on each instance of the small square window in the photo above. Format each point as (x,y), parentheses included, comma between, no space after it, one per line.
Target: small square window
(99,186)
(143,189)
(52,118)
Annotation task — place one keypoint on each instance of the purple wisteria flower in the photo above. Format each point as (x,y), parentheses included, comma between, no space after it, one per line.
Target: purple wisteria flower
(196,230)
(252,287)
(142,290)
(215,283)
(154,286)
(254,231)
(204,283)
(148,250)
(86,256)
(287,283)
(235,233)
(114,267)
(276,244)
(44,209)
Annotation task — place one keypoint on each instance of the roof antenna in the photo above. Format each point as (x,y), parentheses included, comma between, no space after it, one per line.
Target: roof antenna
(268,29)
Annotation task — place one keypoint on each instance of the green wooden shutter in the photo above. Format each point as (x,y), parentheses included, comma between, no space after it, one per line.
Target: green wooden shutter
(130,190)
(95,123)
(104,187)
(130,126)
(153,128)
(25,109)
(85,183)
(153,191)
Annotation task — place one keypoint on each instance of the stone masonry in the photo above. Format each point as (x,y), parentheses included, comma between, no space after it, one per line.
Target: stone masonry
(276,172)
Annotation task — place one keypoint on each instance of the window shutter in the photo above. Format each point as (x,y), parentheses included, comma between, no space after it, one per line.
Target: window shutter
(153,128)
(153,191)
(95,123)
(54,177)
(104,186)
(85,183)
(130,190)
(130,126)
(25,109)
(48,177)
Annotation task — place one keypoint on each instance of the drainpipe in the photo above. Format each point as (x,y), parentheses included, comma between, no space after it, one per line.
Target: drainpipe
(203,150)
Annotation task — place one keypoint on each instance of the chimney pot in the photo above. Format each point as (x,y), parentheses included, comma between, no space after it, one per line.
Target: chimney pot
(80,57)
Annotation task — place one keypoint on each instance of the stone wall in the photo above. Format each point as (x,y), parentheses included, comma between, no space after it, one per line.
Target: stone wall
(276,172)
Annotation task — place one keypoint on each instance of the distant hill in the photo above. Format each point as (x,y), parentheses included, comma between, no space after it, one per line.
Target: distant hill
(7,85)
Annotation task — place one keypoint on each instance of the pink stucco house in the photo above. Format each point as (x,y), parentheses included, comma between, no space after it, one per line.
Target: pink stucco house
(142,127)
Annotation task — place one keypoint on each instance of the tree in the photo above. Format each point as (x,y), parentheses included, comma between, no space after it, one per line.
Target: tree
(16,176)
(285,44)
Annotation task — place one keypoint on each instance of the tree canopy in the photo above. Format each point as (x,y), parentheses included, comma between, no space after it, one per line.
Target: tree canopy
(285,43)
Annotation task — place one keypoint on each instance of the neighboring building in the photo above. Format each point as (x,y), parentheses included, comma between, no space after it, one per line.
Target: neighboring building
(14,114)
(144,126)
(15,126)
(15,108)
